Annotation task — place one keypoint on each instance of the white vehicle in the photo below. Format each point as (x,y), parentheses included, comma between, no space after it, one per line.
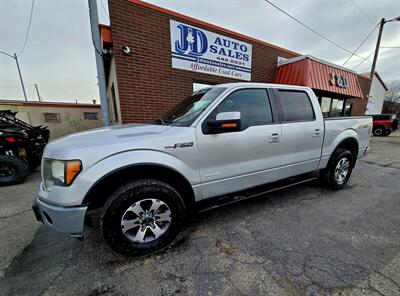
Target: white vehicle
(225,141)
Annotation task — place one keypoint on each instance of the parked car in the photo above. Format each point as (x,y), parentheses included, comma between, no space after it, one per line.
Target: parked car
(21,148)
(221,143)
(384,124)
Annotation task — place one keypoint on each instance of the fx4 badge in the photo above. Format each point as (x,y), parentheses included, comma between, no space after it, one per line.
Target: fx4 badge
(180,145)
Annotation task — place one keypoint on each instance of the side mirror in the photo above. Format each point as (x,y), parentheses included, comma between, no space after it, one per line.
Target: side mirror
(225,122)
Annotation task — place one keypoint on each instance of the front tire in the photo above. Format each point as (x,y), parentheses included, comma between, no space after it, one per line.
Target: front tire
(13,170)
(339,169)
(142,217)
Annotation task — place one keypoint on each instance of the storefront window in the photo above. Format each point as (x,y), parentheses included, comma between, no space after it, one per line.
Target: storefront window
(337,108)
(347,108)
(325,106)
(332,107)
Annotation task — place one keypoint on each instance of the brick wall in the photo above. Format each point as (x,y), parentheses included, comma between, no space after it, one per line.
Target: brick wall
(147,83)
(360,105)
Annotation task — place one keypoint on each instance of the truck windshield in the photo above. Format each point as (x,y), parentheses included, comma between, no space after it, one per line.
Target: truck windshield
(186,111)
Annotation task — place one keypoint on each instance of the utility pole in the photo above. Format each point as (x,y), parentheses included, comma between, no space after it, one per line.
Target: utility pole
(378,43)
(19,70)
(20,76)
(94,24)
(37,91)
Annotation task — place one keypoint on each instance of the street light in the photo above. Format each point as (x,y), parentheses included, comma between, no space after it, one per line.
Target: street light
(378,43)
(19,70)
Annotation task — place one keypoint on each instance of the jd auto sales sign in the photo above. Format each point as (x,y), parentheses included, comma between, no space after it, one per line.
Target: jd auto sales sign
(202,51)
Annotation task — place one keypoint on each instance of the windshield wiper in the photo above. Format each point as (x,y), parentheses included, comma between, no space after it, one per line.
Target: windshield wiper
(162,121)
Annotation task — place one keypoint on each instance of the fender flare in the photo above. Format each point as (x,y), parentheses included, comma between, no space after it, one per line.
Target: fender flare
(346,142)
(139,160)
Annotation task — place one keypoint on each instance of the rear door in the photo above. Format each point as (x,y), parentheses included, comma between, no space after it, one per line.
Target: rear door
(237,160)
(302,131)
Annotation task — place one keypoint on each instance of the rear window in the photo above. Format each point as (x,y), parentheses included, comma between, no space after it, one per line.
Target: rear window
(296,106)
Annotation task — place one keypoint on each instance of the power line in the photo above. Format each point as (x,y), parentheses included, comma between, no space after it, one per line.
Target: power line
(27,31)
(364,60)
(371,55)
(365,39)
(362,11)
(312,30)
(7,54)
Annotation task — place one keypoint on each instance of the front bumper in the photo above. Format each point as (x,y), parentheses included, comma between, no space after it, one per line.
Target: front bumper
(68,220)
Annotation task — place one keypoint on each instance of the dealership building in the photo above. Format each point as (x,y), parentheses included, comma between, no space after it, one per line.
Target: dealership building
(155,57)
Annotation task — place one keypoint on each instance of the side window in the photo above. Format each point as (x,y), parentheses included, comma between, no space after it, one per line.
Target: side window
(90,116)
(296,106)
(51,117)
(253,105)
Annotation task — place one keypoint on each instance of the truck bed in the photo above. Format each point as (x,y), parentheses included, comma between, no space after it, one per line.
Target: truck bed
(338,128)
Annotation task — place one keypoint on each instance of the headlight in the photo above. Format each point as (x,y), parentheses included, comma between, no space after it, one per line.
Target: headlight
(60,172)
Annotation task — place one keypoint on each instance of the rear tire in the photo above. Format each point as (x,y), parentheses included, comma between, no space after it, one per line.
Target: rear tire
(339,169)
(142,217)
(378,131)
(13,170)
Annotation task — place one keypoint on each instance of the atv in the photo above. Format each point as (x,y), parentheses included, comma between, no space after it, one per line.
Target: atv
(21,148)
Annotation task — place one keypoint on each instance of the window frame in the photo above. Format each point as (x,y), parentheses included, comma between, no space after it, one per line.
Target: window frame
(268,96)
(57,115)
(280,106)
(86,113)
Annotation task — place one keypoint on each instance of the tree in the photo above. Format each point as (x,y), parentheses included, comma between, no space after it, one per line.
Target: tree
(391,105)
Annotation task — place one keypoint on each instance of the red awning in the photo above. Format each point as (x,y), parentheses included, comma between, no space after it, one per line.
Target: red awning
(106,36)
(319,75)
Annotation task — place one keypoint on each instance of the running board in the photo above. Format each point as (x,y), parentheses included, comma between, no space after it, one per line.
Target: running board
(217,202)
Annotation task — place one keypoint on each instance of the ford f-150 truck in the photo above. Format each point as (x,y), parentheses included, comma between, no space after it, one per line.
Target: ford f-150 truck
(224,140)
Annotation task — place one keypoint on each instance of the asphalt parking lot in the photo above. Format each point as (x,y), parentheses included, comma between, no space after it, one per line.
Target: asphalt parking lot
(305,240)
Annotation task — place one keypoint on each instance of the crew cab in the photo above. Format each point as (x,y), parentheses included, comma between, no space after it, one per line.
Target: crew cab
(384,124)
(225,140)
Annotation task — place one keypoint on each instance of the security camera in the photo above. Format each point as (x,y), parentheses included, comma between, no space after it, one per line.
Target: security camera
(126,49)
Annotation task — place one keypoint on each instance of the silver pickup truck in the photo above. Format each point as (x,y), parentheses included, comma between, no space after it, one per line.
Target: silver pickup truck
(229,140)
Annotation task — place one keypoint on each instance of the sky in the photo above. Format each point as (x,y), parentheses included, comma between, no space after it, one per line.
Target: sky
(59,55)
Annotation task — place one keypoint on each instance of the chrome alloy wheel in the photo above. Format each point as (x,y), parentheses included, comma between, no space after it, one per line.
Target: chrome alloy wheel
(342,170)
(146,220)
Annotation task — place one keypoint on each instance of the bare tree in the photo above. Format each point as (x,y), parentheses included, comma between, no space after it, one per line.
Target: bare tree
(392,99)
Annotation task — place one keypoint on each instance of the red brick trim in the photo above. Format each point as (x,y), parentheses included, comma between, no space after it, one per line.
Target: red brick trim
(38,104)
(211,26)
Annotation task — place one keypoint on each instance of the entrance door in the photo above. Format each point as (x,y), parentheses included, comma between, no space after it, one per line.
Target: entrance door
(237,160)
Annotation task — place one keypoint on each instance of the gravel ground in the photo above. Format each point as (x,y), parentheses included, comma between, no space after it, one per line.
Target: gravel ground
(305,240)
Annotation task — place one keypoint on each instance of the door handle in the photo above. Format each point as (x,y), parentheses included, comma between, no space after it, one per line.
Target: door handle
(316,132)
(274,137)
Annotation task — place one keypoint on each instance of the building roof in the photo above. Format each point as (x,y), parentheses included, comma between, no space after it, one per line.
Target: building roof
(377,76)
(210,26)
(319,75)
(47,104)
(297,59)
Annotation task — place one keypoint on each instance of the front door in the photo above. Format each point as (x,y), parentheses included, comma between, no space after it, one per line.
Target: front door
(233,161)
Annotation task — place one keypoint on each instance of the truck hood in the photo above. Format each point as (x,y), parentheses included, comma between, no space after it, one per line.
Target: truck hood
(103,141)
